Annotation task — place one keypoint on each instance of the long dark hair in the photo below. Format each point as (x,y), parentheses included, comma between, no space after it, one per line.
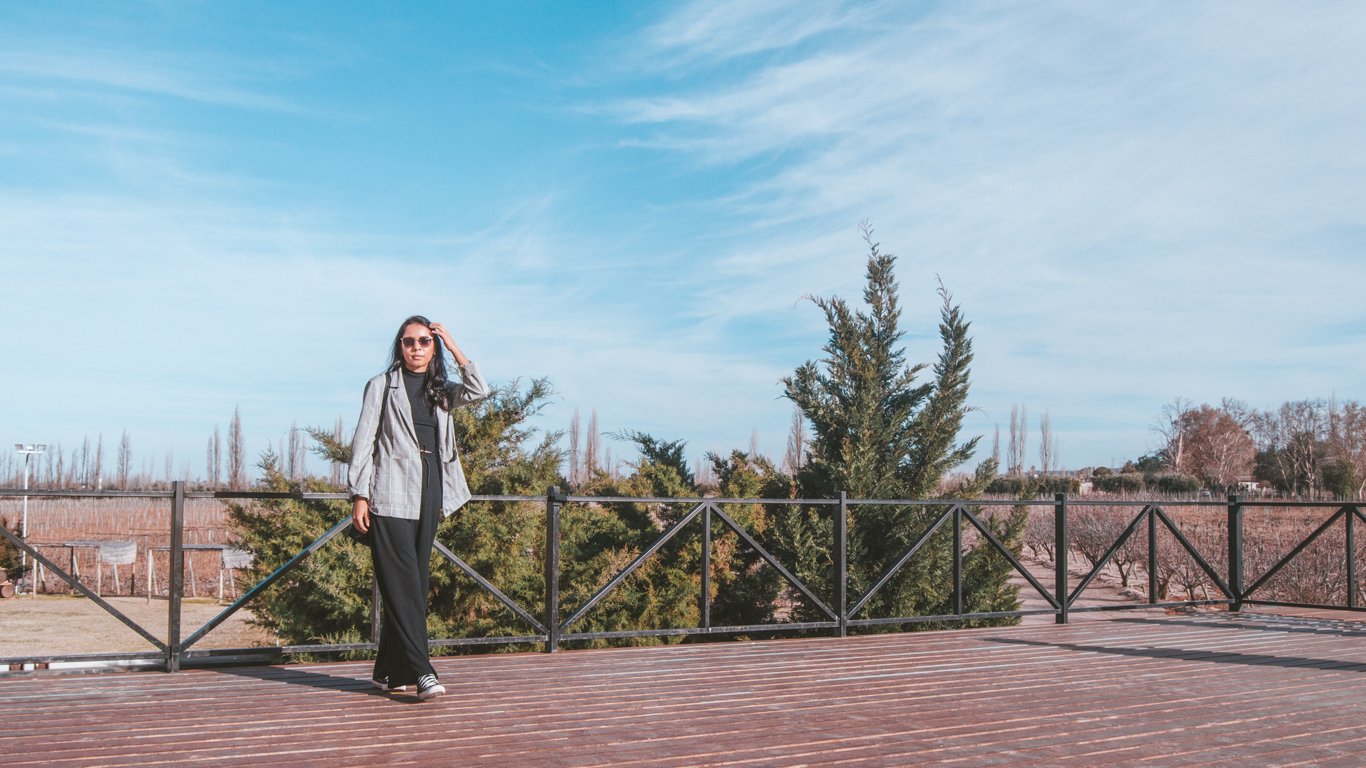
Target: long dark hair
(434,387)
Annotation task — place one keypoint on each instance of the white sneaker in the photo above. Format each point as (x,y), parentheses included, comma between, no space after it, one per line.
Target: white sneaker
(429,688)
(383,685)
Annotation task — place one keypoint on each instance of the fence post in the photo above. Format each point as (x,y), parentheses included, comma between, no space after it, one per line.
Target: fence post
(842,563)
(706,567)
(176,580)
(1152,555)
(1352,557)
(554,498)
(1061,546)
(957,560)
(1235,551)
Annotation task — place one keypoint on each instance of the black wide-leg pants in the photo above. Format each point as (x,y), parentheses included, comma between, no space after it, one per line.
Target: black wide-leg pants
(401,551)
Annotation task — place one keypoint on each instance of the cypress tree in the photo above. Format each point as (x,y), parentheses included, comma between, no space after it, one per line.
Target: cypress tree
(881,432)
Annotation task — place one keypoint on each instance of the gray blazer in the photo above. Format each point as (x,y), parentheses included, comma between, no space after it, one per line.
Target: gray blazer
(386,467)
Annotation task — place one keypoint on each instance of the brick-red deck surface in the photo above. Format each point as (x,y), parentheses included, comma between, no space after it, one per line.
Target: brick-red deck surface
(1143,689)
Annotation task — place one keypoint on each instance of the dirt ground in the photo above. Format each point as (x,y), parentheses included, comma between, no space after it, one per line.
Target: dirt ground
(53,624)
(1104,590)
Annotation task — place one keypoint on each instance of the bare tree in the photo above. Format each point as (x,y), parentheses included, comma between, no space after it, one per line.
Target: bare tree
(1039,533)
(1347,441)
(124,460)
(754,444)
(337,434)
(295,456)
(1172,435)
(57,479)
(1290,438)
(216,463)
(99,462)
(575,473)
(704,474)
(1048,445)
(793,458)
(1218,448)
(996,447)
(237,453)
(1093,530)
(83,468)
(1018,427)
(592,452)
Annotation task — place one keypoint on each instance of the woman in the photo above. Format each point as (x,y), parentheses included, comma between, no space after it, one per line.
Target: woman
(405,475)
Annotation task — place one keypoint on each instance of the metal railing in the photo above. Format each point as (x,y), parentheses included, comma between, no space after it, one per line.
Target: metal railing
(839,614)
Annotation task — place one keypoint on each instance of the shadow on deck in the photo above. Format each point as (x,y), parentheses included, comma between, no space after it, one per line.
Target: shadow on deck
(1285,688)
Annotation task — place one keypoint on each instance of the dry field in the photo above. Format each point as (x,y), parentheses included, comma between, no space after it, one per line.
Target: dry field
(60,621)
(54,525)
(1318,574)
(61,624)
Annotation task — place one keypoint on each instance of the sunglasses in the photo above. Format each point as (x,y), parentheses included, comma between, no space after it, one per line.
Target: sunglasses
(421,341)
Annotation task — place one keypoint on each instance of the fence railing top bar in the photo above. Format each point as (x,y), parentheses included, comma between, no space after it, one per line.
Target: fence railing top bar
(263,495)
(635,499)
(1305,504)
(803,502)
(67,494)
(340,496)
(949,502)
(1090,502)
(629,499)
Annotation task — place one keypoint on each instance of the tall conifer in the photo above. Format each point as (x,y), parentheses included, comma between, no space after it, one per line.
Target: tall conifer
(880,432)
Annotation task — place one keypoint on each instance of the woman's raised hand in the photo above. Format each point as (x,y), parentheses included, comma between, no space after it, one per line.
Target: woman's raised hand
(440,331)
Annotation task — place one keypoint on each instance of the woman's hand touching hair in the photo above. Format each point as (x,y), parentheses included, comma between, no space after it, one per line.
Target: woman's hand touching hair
(440,332)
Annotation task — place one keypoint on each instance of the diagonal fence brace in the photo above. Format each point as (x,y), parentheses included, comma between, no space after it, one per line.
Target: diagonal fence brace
(262,585)
(901,561)
(1014,561)
(488,585)
(786,574)
(1109,555)
(632,566)
(1294,552)
(1195,555)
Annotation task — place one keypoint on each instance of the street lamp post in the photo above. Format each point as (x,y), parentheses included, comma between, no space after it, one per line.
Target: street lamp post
(29,450)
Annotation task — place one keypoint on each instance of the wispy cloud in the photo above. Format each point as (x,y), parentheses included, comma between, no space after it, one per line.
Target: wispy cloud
(1127,200)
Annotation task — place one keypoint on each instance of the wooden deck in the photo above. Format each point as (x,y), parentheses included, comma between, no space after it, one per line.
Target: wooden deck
(1142,689)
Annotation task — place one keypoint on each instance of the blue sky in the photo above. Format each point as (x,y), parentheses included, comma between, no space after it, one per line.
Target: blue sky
(205,205)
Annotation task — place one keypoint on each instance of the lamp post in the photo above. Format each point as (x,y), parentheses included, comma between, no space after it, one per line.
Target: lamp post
(28,450)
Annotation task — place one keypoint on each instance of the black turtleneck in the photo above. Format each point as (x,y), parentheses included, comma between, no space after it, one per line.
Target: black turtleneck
(424,413)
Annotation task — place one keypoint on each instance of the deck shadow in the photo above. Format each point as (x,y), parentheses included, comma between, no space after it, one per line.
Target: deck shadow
(1257,623)
(1218,657)
(311,679)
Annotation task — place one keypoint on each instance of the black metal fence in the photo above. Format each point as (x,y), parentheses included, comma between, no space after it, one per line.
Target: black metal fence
(552,623)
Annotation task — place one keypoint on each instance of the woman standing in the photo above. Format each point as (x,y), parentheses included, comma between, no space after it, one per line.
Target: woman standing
(405,475)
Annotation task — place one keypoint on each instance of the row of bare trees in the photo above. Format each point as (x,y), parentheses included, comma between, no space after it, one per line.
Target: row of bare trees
(82,467)
(1305,448)
(1018,447)
(86,466)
